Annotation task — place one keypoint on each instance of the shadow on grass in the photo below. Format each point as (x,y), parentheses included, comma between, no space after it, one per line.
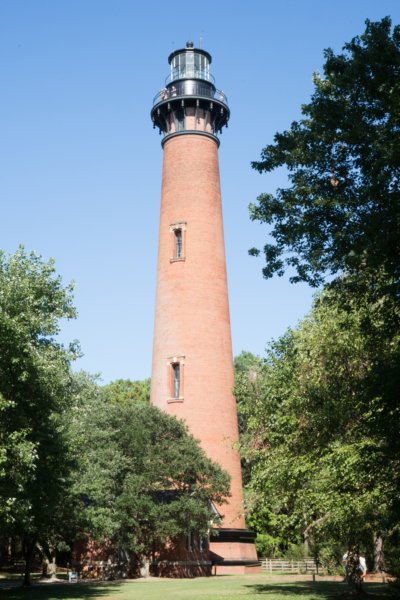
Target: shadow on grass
(320,590)
(54,591)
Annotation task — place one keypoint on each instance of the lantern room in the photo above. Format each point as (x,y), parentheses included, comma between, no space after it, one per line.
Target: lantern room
(192,63)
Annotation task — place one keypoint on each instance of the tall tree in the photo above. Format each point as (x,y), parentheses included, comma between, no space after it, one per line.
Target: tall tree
(326,411)
(34,397)
(341,211)
(322,422)
(144,479)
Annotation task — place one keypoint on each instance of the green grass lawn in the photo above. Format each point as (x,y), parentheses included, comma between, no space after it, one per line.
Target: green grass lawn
(249,587)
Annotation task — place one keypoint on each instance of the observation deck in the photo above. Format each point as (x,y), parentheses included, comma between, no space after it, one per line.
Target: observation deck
(188,87)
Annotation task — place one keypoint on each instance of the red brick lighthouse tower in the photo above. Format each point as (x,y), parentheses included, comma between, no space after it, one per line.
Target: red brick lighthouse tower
(192,372)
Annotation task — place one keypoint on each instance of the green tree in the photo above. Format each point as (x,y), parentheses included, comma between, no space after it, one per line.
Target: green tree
(144,480)
(35,383)
(247,368)
(125,390)
(246,362)
(322,422)
(341,211)
(324,418)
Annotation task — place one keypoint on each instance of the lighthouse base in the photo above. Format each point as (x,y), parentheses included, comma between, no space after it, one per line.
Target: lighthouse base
(233,552)
(230,552)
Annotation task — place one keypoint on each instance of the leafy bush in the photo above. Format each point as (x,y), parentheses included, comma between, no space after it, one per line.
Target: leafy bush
(267,546)
(296,552)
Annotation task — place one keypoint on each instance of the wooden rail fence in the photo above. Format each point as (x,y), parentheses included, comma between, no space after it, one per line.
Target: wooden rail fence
(272,565)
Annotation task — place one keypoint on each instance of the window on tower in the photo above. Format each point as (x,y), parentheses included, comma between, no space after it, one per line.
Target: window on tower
(180,120)
(175,378)
(178,241)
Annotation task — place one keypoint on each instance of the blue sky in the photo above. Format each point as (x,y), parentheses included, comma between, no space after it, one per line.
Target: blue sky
(80,165)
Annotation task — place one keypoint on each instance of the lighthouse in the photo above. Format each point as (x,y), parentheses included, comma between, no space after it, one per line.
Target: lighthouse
(192,367)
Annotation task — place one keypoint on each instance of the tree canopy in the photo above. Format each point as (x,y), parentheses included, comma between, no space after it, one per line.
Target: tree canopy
(144,480)
(320,418)
(125,390)
(321,430)
(35,386)
(341,210)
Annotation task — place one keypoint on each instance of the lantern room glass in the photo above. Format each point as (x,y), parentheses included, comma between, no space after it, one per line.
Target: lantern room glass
(190,65)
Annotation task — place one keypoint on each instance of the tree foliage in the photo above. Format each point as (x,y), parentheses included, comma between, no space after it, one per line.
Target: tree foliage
(125,390)
(35,385)
(322,413)
(144,480)
(322,422)
(341,211)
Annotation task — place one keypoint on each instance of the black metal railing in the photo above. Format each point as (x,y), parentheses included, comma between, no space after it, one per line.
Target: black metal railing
(188,87)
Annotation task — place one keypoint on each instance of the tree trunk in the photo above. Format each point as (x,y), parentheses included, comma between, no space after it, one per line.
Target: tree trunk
(379,563)
(9,549)
(45,560)
(53,565)
(29,548)
(45,566)
(49,566)
(145,568)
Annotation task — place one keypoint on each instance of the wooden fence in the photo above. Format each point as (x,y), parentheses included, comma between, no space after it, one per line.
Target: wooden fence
(272,565)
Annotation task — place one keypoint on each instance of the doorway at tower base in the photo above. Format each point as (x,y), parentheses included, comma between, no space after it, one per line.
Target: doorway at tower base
(233,552)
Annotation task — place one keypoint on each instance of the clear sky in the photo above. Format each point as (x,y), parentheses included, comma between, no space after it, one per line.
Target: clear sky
(80,165)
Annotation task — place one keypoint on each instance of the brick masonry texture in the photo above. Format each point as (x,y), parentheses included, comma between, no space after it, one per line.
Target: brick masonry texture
(192,311)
